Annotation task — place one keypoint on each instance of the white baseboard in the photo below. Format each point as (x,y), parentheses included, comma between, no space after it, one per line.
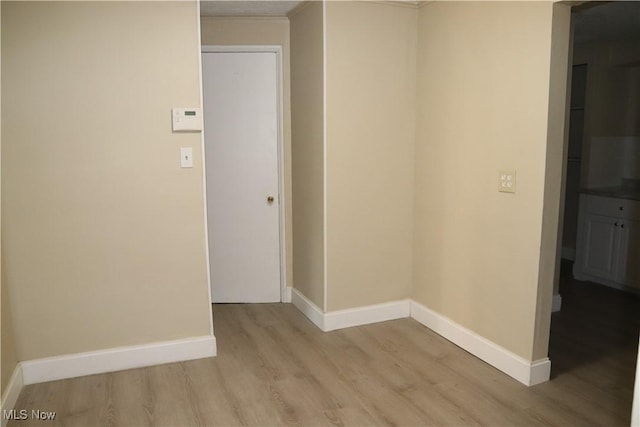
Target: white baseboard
(116,359)
(539,371)
(347,318)
(11,393)
(528,373)
(308,308)
(340,319)
(556,303)
(286,296)
(568,253)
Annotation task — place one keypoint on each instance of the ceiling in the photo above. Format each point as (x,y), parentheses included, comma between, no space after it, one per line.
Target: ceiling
(257,7)
(594,20)
(616,20)
(246,8)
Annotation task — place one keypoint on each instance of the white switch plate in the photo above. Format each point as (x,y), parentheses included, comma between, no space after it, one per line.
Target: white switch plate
(186,157)
(507,181)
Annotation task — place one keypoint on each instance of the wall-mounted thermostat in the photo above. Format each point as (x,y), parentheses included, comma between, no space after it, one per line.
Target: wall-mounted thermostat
(186,119)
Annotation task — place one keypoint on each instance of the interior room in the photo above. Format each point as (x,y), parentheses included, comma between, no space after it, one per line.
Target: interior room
(603,147)
(599,271)
(600,276)
(315,212)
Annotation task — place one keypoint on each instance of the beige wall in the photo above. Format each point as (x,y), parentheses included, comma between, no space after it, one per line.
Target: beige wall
(371,74)
(8,357)
(483,105)
(103,232)
(307,132)
(557,144)
(263,31)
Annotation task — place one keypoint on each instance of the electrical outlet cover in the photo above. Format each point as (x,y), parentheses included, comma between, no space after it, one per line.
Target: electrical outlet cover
(507,181)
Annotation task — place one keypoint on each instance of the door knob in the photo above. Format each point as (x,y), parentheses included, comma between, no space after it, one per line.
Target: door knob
(270,199)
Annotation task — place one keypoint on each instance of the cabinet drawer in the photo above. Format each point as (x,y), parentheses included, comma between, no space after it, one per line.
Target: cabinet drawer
(609,206)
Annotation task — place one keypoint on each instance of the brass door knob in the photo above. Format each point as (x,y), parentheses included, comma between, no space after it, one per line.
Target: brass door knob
(270,199)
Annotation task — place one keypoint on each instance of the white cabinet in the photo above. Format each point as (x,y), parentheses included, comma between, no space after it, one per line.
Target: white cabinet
(629,259)
(601,242)
(608,247)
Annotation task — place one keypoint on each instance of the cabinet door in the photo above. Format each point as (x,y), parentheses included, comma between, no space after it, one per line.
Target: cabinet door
(600,246)
(629,253)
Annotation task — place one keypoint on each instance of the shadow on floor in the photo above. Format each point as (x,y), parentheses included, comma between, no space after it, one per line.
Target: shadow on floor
(596,324)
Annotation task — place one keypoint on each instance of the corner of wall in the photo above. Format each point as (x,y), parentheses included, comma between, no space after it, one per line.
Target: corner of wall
(113,222)
(117,359)
(8,356)
(557,127)
(11,393)
(527,372)
(307,62)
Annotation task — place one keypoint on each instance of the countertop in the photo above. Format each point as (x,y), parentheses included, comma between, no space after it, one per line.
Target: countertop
(620,192)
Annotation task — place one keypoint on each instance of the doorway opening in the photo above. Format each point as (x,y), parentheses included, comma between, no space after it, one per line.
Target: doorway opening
(594,331)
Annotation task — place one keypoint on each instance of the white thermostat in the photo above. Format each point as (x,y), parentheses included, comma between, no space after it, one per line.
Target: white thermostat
(186,119)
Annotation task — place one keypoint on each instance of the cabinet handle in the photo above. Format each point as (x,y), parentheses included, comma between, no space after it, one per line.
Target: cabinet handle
(621,225)
(621,208)
(615,224)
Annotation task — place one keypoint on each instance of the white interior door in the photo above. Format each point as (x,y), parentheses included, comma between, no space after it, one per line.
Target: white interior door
(241,148)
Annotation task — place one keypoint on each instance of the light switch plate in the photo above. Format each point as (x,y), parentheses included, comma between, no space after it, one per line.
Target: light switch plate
(186,157)
(507,181)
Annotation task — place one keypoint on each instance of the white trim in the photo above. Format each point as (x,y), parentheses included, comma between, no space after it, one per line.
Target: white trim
(528,373)
(281,181)
(204,176)
(539,372)
(347,318)
(245,18)
(287,294)
(325,237)
(11,393)
(116,359)
(277,49)
(402,3)
(214,48)
(568,253)
(308,308)
(556,303)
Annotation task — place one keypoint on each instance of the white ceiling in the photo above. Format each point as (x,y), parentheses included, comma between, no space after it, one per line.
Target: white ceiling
(246,8)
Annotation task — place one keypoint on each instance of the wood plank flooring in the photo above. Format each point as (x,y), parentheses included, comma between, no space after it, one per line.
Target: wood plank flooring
(276,368)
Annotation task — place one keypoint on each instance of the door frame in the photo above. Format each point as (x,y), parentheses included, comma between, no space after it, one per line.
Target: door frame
(277,49)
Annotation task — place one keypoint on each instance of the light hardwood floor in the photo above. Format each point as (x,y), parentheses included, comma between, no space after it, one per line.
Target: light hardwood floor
(276,368)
